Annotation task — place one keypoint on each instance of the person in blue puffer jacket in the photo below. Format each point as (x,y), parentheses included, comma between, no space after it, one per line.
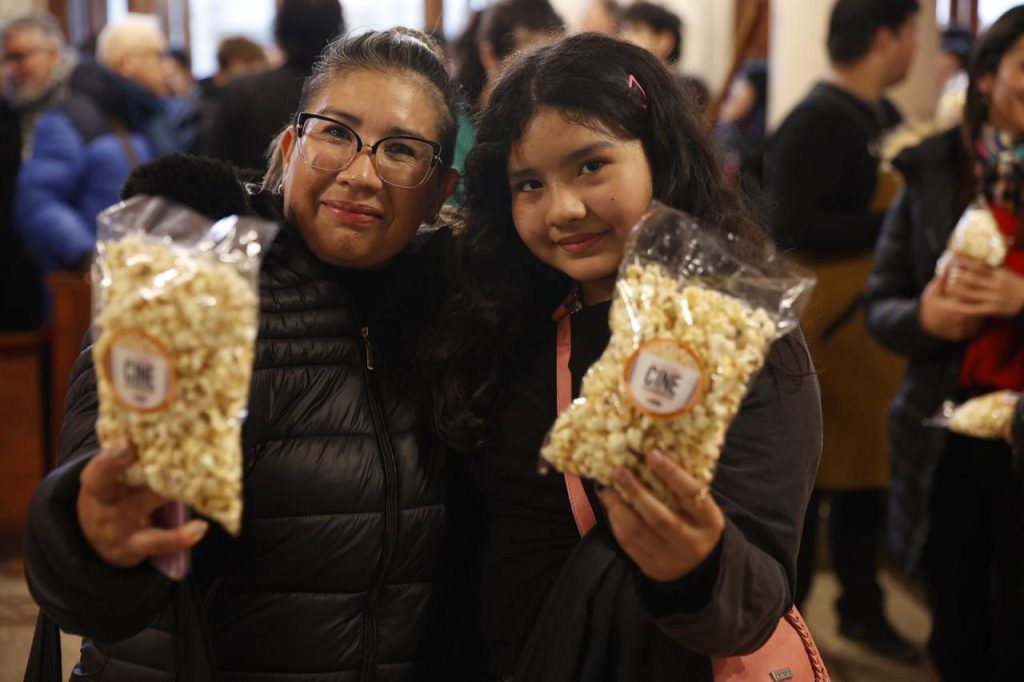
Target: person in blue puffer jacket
(112,120)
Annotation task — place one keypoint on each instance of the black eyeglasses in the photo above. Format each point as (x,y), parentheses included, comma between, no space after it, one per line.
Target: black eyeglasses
(400,160)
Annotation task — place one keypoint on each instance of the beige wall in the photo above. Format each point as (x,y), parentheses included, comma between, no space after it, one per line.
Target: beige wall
(12,8)
(798,58)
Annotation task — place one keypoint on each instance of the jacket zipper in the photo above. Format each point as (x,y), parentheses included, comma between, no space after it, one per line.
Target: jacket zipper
(387,454)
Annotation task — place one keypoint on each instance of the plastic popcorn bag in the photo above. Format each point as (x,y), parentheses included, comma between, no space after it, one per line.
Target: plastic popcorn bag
(976,236)
(175,305)
(691,323)
(987,416)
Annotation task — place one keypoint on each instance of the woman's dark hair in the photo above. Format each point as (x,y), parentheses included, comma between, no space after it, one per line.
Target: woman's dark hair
(397,49)
(504,288)
(988,52)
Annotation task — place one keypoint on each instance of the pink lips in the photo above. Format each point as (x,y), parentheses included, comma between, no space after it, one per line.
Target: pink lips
(359,214)
(579,243)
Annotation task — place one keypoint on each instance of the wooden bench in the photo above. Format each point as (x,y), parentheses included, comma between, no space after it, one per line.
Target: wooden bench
(34,370)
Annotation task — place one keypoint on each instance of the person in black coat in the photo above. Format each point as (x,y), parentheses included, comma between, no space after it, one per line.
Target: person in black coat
(21,306)
(253,108)
(954,506)
(332,574)
(828,192)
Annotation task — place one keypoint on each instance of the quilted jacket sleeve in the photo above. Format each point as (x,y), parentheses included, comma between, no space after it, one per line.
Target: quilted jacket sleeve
(47,185)
(69,581)
(892,293)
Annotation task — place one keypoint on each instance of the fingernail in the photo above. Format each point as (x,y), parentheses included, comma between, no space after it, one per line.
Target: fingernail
(622,477)
(655,458)
(198,529)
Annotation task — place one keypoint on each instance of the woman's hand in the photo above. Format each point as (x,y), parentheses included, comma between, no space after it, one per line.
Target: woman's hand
(987,291)
(665,543)
(115,518)
(943,316)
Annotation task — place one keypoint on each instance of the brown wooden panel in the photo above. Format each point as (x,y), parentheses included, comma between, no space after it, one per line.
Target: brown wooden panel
(22,458)
(72,311)
(756,45)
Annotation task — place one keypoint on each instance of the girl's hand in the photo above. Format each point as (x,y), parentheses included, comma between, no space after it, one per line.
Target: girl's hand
(115,518)
(943,316)
(987,291)
(665,543)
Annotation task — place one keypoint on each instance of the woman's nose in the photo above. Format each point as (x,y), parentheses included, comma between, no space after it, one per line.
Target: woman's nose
(564,206)
(361,171)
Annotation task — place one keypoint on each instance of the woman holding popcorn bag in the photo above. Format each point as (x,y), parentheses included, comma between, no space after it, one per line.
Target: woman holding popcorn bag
(959,317)
(332,571)
(578,139)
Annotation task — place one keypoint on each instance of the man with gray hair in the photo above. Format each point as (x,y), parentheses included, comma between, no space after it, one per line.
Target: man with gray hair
(112,119)
(35,66)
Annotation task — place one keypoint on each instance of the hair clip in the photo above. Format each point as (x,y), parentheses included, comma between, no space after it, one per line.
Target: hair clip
(634,83)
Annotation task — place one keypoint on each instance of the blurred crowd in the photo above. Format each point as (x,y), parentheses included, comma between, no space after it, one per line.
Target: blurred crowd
(852,191)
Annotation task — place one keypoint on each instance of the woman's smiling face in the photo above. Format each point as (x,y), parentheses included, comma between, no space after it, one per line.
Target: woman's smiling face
(577,190)
(350,217)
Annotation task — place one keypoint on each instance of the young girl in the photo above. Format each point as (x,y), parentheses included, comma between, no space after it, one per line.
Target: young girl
(953,504)
(579,137)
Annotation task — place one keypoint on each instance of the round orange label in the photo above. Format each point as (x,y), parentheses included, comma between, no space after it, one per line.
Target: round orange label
(665,378)
(140,370)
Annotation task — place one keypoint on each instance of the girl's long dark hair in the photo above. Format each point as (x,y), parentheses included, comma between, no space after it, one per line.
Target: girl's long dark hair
(503,289)
(985,58)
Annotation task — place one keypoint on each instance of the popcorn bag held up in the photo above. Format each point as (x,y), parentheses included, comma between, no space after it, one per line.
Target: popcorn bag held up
(175,305)
(692,320)
(988,416)
(976,236)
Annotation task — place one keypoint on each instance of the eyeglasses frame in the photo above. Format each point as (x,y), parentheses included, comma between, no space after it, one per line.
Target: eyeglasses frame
(435,160)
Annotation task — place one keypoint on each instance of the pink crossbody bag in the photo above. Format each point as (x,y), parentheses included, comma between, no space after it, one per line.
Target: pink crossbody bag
(790,653)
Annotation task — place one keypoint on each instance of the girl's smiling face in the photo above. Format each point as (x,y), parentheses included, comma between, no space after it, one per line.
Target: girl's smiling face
(577,189)
(1005,89)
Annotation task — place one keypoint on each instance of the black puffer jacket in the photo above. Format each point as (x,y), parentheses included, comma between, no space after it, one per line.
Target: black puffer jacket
(912,239)
(331,578)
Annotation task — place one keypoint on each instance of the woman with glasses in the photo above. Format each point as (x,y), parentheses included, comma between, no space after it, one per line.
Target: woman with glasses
(332,575)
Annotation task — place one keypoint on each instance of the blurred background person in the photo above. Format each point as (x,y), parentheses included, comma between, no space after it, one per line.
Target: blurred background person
(955,507)
(254,108)
(491,37)
(600,16)
(180,80)
(951,75)
(660,32)
(954,52)
(509,26)
(35,65)
(183,99)
(236,56)
(741,125)
(830,192)
(112,119)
